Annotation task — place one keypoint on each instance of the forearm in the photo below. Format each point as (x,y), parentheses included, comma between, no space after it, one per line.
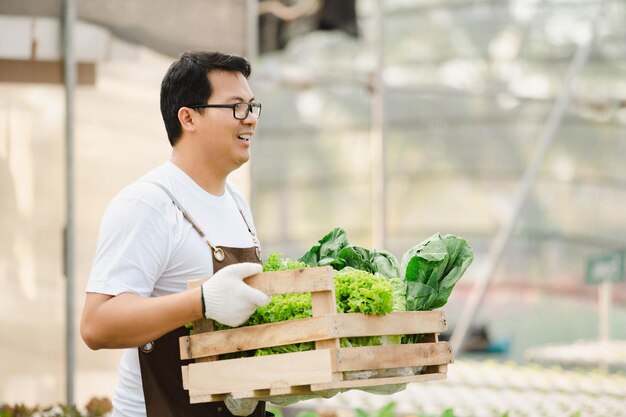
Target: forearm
(129,320)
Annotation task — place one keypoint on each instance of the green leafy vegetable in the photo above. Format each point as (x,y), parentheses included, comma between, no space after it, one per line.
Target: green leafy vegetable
(356,291)
(276,263)
(326,252)
(432,268)
(361,292)
(334,250)
(370,282)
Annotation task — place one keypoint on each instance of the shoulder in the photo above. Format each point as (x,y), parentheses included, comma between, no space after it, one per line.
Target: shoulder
(146,190)
(143,199)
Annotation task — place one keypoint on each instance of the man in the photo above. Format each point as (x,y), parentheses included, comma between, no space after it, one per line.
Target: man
(180,221)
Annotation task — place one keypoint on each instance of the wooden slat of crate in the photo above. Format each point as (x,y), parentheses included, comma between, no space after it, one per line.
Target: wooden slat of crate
(439,373)
(253,337)
(263,372)
(398,322)
(276,391)
(286,282)
(362,383)
(393,356)
(317,280)
(195,399)
(257,394)
(292,281)
(323,303)
(280,374)
(320,369)
(309,330)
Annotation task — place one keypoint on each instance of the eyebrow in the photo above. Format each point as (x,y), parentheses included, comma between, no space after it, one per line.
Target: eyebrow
(241,99)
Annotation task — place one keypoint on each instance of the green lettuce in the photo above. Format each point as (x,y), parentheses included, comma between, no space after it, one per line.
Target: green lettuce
(356,291)
(432,268)
(276,263)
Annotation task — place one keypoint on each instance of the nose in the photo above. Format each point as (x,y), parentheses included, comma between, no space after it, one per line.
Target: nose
(250,119)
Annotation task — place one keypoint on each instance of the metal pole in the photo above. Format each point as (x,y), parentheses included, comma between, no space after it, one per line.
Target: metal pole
(377,144)
(499,244)
(69,74)
(252,30)
(252,54)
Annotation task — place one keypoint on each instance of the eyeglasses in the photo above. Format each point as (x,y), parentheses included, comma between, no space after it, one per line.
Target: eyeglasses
(240,110)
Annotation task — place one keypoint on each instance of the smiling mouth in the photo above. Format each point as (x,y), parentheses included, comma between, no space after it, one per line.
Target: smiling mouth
(246,137)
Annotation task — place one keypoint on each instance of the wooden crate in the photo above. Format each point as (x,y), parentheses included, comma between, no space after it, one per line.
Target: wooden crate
(326,367)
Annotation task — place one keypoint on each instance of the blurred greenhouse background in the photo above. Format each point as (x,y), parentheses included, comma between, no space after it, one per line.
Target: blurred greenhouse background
(416,117)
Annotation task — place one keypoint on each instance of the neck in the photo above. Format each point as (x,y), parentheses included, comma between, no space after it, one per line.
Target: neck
(206,175)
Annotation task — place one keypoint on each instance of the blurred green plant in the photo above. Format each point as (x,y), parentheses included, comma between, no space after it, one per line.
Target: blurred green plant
(96,407)
(384,411)
(101,407)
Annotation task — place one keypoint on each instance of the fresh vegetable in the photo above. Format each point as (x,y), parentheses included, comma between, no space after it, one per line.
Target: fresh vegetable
(334,250)
(356,291)
(361,292)
(370,282)
(432,268)
(276,263)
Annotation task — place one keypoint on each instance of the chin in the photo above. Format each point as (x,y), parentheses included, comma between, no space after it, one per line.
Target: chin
(242,160)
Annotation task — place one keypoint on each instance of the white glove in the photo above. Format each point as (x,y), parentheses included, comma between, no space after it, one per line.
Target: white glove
(229,300)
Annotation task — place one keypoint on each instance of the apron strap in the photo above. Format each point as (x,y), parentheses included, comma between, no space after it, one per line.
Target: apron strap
(257,244)
(217,252)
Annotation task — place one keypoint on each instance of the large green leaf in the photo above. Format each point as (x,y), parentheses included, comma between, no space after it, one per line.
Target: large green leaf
(356,257)
(460,258)
(326,251)
(332,243)
(385,264)
(419,296)
(432,268)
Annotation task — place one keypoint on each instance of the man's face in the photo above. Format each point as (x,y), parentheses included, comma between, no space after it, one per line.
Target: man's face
(225,140)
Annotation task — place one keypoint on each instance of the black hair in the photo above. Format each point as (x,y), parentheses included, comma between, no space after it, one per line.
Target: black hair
(187,83)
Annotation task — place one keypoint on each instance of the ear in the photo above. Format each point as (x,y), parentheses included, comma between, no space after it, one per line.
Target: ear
(185,117)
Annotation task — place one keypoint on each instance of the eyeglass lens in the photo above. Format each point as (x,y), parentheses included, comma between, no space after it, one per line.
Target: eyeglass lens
(242,110)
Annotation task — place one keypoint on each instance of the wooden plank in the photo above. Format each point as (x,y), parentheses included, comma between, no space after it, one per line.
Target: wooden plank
(254,337)
(393,356)
(430,338)
(324,304)
(273,392)
(305,390)
(287,282)
(294,281)
(204,326)
(185,371)
(361,383)
(309,330)
(196,399)
(249,393)
(399,322)
(295,390)
(298,368)
(44,72)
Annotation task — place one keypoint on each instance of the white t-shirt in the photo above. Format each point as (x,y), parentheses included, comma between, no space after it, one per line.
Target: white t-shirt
(146,247)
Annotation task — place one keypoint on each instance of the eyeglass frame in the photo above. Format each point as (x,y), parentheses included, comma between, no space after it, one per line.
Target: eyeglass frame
(249,110)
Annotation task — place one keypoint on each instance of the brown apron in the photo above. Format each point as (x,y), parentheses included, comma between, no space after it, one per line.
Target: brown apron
(161,375)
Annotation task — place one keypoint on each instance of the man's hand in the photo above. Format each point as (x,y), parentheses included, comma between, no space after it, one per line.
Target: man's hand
(229,300)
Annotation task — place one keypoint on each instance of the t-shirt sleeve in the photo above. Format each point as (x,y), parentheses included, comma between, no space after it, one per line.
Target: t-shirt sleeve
(134,244)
